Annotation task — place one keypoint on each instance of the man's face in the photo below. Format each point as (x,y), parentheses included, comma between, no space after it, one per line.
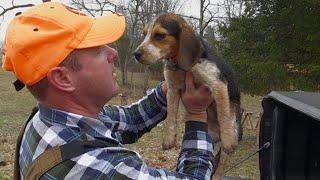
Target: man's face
(96,81)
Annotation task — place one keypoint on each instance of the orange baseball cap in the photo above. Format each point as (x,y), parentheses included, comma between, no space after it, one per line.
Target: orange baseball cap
(41,38)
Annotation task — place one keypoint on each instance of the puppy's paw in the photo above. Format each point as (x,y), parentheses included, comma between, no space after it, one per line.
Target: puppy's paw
(229,142)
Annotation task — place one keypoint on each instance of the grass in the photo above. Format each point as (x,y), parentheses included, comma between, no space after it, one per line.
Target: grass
(16,106)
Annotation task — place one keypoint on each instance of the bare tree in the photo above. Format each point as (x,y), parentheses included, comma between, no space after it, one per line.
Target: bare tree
(132,37)
(208,13)
(203,20)
(233,8)
(95,7)
(212,12)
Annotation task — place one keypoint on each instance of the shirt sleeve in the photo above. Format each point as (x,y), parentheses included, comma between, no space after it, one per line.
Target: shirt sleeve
(195,162)
(196,155)
(132,121)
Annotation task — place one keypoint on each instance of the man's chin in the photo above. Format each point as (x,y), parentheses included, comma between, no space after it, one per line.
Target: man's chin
(116,90)
(112,95)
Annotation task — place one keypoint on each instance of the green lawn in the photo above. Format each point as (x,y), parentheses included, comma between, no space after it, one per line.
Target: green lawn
(16,106)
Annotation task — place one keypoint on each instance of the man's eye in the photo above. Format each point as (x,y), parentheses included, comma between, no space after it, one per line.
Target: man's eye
(159,36)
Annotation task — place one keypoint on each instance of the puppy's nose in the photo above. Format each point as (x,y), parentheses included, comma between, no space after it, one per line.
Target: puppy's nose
(137,55)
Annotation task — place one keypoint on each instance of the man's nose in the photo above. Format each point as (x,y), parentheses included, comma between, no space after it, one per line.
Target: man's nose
(113,54)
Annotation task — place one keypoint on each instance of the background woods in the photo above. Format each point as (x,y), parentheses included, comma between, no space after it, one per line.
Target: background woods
(271,45)
(274,45)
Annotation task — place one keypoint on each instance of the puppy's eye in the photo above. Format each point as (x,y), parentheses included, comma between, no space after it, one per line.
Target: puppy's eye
(159,36)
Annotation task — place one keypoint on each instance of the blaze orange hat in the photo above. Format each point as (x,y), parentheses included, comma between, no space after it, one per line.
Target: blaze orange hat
(40,38)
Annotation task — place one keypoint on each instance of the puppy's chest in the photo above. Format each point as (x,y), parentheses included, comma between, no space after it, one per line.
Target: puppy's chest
(175,79)
(205,73)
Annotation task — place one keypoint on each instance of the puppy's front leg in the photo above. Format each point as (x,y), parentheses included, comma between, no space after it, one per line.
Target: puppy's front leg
(171,123)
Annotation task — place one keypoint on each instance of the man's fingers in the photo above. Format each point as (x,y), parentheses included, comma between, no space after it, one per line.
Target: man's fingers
(189,82)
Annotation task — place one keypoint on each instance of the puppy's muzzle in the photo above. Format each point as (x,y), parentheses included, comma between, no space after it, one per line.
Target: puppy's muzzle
(138,54)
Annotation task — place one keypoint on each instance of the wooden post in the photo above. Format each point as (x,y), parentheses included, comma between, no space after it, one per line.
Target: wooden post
(248,115)
(123,99)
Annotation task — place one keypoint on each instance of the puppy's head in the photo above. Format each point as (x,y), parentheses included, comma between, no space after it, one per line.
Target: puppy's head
(169,37)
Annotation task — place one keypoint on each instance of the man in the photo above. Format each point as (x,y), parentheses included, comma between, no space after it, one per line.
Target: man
(62,57)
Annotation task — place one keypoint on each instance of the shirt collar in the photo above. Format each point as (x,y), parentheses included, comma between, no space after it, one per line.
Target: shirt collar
(93,128)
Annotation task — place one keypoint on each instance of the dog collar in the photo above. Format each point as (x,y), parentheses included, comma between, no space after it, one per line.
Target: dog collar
(172,65)
(172,58)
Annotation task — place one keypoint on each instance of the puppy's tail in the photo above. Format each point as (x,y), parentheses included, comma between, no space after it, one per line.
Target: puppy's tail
(239,127)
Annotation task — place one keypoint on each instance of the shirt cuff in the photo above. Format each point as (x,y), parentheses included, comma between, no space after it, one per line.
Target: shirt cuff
(198,140)
(160,95)
(195,126)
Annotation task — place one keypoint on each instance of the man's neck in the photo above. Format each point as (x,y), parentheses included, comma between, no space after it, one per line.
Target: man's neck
(73,107)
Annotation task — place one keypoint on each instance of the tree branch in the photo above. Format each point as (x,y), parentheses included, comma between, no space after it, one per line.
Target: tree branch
(14,7)
(207,23)
(97,6)
(192,17)
(206,6)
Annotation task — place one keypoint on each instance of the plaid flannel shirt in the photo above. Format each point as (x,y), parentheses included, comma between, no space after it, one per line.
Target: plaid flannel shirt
(126,124)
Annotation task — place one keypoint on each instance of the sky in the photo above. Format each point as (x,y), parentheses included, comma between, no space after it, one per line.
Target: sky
(190,7)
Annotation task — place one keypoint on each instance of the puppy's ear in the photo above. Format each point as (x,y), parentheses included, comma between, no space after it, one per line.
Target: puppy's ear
(189,47)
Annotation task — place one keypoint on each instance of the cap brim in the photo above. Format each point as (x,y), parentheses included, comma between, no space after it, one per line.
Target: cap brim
(105,30)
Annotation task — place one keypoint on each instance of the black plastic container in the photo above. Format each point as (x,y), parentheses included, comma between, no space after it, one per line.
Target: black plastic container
(291,123)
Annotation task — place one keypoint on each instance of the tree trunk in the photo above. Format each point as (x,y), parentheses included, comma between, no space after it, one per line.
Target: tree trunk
(201,29)
(146,68)
(146,79)
(124,73)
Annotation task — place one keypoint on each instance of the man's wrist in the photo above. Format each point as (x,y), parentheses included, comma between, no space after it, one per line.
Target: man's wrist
(195,126)
(200,117)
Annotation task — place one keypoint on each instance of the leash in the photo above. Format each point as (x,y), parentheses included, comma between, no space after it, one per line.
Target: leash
(265,146)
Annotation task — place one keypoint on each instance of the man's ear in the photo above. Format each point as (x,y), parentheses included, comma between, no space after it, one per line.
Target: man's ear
(189,47)
(60,78)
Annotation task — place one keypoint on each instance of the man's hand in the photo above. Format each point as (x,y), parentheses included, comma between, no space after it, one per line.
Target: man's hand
(196,101)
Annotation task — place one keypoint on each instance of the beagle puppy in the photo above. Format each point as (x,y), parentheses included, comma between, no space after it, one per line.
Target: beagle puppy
(171,39)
